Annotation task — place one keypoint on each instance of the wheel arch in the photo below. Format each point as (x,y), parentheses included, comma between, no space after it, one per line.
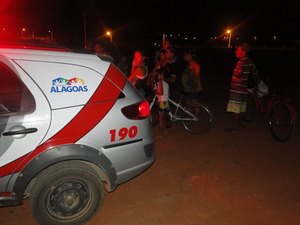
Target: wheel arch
(92,157)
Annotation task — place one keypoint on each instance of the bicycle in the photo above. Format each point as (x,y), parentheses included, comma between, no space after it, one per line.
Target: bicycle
(276,108)
(196,119)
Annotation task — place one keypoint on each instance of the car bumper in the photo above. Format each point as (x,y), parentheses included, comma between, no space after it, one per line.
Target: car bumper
(131,159)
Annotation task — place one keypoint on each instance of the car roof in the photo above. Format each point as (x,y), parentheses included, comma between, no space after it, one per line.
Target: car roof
(49,47)
(33,46)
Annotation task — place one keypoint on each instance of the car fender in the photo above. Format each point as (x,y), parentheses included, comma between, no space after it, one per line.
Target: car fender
(60,154)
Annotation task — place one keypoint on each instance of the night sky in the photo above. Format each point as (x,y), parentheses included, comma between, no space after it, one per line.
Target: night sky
(132,19)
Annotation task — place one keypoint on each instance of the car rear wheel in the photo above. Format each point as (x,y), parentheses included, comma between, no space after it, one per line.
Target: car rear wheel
(66,193)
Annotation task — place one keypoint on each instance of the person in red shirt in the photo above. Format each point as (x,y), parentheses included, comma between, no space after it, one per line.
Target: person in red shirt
(139,71)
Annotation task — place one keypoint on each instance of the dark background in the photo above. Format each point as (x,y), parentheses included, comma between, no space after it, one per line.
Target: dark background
(141,24)
(135,21)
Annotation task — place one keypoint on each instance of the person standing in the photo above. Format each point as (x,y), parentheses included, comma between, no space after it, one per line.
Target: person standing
(159,64)
(99,49)
(237,103)
(139,71)
(174,71)
(123,66)
(190,79)
(162,93)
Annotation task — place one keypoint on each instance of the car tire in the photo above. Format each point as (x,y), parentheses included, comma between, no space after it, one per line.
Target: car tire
(66,193)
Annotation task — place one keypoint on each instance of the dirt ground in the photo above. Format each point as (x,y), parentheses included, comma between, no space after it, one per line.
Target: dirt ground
(218,178)
(214,179)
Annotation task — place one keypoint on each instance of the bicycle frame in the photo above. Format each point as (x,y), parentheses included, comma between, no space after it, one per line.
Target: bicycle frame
(174,116)
(277,110)
(196,119)
(263,107)
(273,100)
(282,100)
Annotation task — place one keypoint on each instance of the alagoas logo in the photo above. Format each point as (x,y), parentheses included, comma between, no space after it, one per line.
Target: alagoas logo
(62,85)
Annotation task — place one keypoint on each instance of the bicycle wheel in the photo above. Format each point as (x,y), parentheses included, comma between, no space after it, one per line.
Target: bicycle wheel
(251,110)
(200,121)
(281,122)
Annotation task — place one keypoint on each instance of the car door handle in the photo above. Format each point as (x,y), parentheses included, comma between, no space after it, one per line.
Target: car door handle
(25,131)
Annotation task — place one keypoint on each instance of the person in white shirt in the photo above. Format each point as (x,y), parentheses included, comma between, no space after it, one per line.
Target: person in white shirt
(162,93)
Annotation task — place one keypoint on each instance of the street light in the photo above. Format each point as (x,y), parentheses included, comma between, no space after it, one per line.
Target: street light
(108,33)
(229,39)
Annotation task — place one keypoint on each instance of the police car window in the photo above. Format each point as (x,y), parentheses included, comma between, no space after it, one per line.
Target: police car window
(14,95)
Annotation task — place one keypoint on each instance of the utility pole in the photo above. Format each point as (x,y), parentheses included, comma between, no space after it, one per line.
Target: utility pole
(84,30)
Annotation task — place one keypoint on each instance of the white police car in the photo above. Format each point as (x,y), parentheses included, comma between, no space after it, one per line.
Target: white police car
(69,123)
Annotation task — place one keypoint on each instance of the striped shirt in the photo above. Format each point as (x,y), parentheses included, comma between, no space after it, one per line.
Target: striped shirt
(243,69)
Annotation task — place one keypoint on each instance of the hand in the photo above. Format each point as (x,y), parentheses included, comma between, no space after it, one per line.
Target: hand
(134,63)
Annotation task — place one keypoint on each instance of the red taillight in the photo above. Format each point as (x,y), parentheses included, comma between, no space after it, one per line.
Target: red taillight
(144,109)
(137,111)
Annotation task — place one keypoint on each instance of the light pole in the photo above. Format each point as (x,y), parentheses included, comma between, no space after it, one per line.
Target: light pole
(84,30)
(229,39)
(108,33)
(22,32)
(163,39)
(51,34)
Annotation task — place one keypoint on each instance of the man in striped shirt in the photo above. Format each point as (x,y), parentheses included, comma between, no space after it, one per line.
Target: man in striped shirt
(243,71)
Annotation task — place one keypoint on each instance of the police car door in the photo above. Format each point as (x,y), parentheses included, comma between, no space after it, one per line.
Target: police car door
(24,118)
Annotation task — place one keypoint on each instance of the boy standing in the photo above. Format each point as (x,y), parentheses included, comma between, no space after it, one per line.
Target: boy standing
(244,68)
(162,93)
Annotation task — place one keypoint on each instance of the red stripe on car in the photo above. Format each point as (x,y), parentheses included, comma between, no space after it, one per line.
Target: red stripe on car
(89,116)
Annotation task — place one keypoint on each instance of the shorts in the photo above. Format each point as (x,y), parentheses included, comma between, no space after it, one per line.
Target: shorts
(237,107)
(237,103)
(163,106)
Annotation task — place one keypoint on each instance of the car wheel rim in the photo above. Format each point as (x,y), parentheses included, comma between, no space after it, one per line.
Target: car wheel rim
(68,199)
